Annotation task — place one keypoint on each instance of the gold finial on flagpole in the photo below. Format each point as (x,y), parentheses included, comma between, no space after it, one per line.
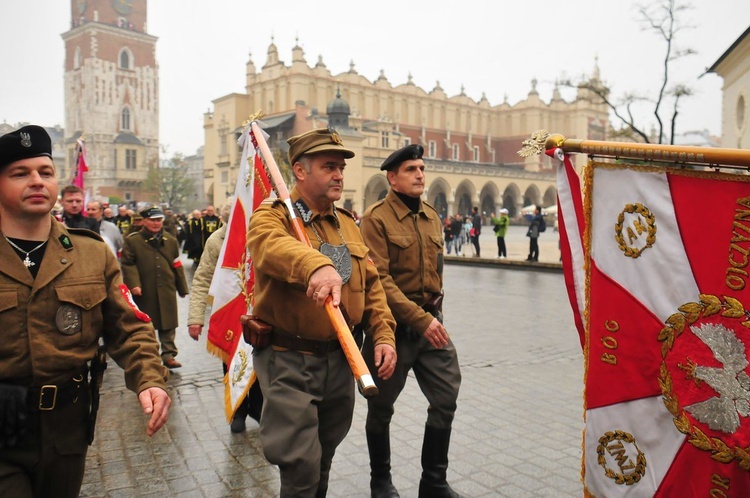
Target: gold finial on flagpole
(253,117)
(534,145)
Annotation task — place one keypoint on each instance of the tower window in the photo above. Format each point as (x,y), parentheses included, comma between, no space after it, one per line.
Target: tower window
(130,158)
(432,148)
(456,154)
(125,59)
(125,121)
(476,154)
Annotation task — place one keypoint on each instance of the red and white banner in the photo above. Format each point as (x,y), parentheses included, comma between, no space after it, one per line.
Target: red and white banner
(233,281)
(667,390)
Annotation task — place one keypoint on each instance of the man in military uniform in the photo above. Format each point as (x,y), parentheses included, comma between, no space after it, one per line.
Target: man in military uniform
(404,235)
(304,376)
(152,269)
(58,288)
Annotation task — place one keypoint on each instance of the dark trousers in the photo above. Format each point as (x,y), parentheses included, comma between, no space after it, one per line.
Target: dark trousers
(475,241)
(307,412)
(501,251)
(49,460)
(533,249)
(437,373)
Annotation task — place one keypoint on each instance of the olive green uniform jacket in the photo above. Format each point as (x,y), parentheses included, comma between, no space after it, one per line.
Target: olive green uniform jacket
(407,248)
(283,267)
(155,267)
(52,323)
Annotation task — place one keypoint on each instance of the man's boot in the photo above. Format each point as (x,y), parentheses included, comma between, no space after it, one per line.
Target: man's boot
(435,464)
(379,446)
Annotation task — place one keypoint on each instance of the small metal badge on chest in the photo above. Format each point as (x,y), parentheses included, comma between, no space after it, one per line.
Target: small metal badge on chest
(68,319)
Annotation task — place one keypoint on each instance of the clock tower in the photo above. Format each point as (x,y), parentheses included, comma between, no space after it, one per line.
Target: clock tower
(112,97)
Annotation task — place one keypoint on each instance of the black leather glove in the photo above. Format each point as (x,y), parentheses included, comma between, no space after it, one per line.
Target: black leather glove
(13,414)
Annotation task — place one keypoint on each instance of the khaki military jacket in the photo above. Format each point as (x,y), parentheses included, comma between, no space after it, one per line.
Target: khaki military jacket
(51,324)
(283,267)
(157,270)
(407,249)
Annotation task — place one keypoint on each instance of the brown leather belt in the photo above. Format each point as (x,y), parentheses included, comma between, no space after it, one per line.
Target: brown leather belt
(50,396)
(311,346)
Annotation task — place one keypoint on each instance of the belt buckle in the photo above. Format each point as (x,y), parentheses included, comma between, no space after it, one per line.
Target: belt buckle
(48,393)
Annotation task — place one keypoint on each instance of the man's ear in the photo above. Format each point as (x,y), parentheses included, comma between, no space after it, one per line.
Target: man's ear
(391,176)
(299,171)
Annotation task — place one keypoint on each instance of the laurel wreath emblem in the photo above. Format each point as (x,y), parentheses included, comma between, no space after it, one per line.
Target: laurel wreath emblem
(675,325)
(239,371)
(643,211)
(640,465)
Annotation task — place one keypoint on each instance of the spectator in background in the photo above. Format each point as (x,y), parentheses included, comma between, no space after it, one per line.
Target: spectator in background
(109,215)
(72,203)
(107,230)
(123,220)
(448,235)
(194,237)
(476,229)
(456,230)
(537,225)
(500,226)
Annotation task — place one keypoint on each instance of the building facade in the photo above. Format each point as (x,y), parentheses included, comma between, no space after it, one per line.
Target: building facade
(734,68)
(470,146)
(112,96)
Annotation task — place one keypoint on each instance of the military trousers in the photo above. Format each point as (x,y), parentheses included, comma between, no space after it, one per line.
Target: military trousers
(437,373)
(168,346)
(49,460)
(307,411)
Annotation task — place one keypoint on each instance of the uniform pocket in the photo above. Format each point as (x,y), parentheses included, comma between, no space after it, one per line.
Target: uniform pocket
(79,317)
(11,317)
(404,249)
(359,266)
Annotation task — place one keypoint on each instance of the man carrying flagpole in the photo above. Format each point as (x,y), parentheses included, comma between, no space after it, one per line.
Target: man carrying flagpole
(303,372)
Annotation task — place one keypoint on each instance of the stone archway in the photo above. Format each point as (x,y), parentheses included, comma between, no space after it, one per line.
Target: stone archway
(376,189)
(513,200)
(464,200)
(487,199)
(532,196)
(437,196)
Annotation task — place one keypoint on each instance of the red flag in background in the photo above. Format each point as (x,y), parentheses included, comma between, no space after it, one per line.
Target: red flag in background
(233,280)
(81,165)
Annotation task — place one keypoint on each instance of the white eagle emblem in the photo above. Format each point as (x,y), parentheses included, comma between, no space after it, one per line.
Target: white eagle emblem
(722,412)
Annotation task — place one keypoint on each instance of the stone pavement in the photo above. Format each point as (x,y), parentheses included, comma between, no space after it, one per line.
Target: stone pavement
(517,431)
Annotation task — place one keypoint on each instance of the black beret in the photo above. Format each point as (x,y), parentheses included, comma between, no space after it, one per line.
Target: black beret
(314,141)
(152,212)
(413,151)
(24,143)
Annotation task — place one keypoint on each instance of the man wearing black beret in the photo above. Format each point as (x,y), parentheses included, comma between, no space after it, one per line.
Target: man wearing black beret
(59,288)
(404,235)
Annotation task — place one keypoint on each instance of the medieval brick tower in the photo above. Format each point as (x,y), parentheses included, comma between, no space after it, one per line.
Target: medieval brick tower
(112,96)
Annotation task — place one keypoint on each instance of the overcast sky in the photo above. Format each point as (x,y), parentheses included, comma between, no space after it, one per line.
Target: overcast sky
(493,47)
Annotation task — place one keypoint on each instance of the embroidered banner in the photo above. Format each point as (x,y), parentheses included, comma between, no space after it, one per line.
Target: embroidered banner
(667,390)
(233,280)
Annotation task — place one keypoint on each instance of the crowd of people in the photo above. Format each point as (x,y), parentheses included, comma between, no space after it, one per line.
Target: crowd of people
(105,282)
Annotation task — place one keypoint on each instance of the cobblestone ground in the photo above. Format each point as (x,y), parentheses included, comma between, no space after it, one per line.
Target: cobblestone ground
(517,431)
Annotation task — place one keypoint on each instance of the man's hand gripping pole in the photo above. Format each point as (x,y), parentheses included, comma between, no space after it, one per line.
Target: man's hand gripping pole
(359,368)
